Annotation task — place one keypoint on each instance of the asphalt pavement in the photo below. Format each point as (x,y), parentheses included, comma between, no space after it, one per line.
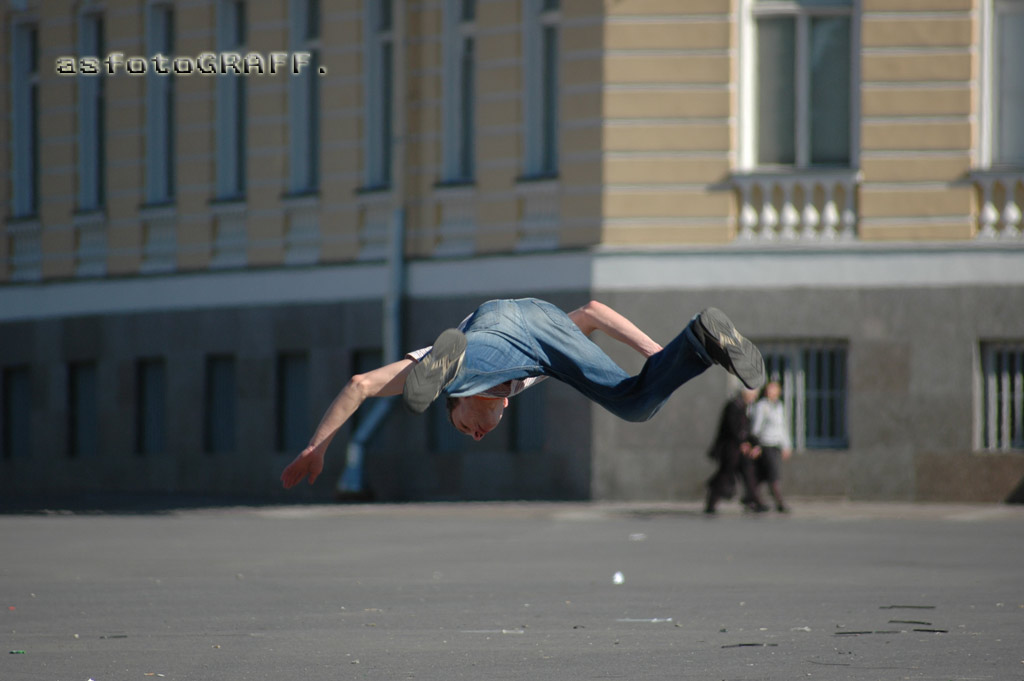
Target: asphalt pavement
(514,591)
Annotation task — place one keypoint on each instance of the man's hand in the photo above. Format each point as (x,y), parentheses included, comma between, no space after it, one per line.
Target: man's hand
(310,462)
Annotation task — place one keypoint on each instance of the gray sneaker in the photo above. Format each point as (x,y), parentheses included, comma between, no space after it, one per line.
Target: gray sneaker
(727,347)
(435,372)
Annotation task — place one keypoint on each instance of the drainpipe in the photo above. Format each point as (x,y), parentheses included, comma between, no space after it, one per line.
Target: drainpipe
(351,481)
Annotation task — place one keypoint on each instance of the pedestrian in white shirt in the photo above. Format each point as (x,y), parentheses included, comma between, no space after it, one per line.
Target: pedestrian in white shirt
(768,424)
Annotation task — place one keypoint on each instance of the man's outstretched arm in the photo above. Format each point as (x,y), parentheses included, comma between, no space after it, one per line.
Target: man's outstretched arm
(595,316)
(387,380)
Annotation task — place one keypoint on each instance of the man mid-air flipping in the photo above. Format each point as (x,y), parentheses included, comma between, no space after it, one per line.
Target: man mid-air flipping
(507,345)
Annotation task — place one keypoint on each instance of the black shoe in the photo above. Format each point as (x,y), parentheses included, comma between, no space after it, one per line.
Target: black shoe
(727,347)
(435,372)
(782,508)
(755,507)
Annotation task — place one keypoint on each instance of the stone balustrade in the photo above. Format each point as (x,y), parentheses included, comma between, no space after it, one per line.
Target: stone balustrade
(1001,194)
(797,206)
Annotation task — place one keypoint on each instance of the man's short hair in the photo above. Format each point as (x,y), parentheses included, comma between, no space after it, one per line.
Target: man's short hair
(450,403)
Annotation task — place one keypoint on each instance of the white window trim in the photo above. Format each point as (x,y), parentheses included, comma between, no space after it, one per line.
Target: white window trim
(230,169)
(159,185)
(747,95)
(376,174)
(988,79)
(455,31)
(24,202)
(535,20)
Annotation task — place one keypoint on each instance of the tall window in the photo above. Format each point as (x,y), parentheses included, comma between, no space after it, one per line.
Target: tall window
(814,391)
(231,109)
(292,402)
(304,99)
(91,114)
(1005,57)
(459,58)
(16,412)
(801,62)
(160,164)
(151,406)
(221,405)
(25,119)
(1002,396)
(378,80)
(83,417)
(540,42)
(528,419)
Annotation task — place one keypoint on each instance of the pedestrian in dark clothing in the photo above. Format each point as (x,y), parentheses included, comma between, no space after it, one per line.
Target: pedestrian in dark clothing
(734,444)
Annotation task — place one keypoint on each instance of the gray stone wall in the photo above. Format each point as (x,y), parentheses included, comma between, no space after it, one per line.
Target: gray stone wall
(912,360)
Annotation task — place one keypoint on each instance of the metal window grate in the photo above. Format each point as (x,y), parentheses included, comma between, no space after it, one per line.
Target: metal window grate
(1002,396)
(814,384)
(219,433)
(293,427)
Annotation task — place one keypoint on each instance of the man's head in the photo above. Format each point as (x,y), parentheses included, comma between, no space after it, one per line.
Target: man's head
(476,416)
(773,390)
(749,396)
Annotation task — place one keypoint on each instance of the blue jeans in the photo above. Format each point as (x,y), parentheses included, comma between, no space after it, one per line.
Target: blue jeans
(514,339)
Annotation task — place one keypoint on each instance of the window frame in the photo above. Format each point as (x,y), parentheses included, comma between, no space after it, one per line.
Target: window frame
(151,442)
(15,433)
(220,401)
(379,88)
(231,112)
(90,123)
(989,417)
(160,119)
(83,412)
(26,173)
(750,11)
(289,436)
(540,98)
(988,90)
(796,391)
(305,35)
(458,136)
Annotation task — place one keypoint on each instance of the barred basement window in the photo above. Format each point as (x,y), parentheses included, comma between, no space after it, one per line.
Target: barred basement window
(1002,396)
(16,412)
(221,404)
(292,406)
(83,416)
(814,391)
(150,406)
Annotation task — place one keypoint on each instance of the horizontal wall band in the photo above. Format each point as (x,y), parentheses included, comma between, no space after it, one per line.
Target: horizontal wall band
(854,266)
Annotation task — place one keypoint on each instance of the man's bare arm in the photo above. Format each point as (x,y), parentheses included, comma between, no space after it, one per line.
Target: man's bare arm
(595,316)
(382,382)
